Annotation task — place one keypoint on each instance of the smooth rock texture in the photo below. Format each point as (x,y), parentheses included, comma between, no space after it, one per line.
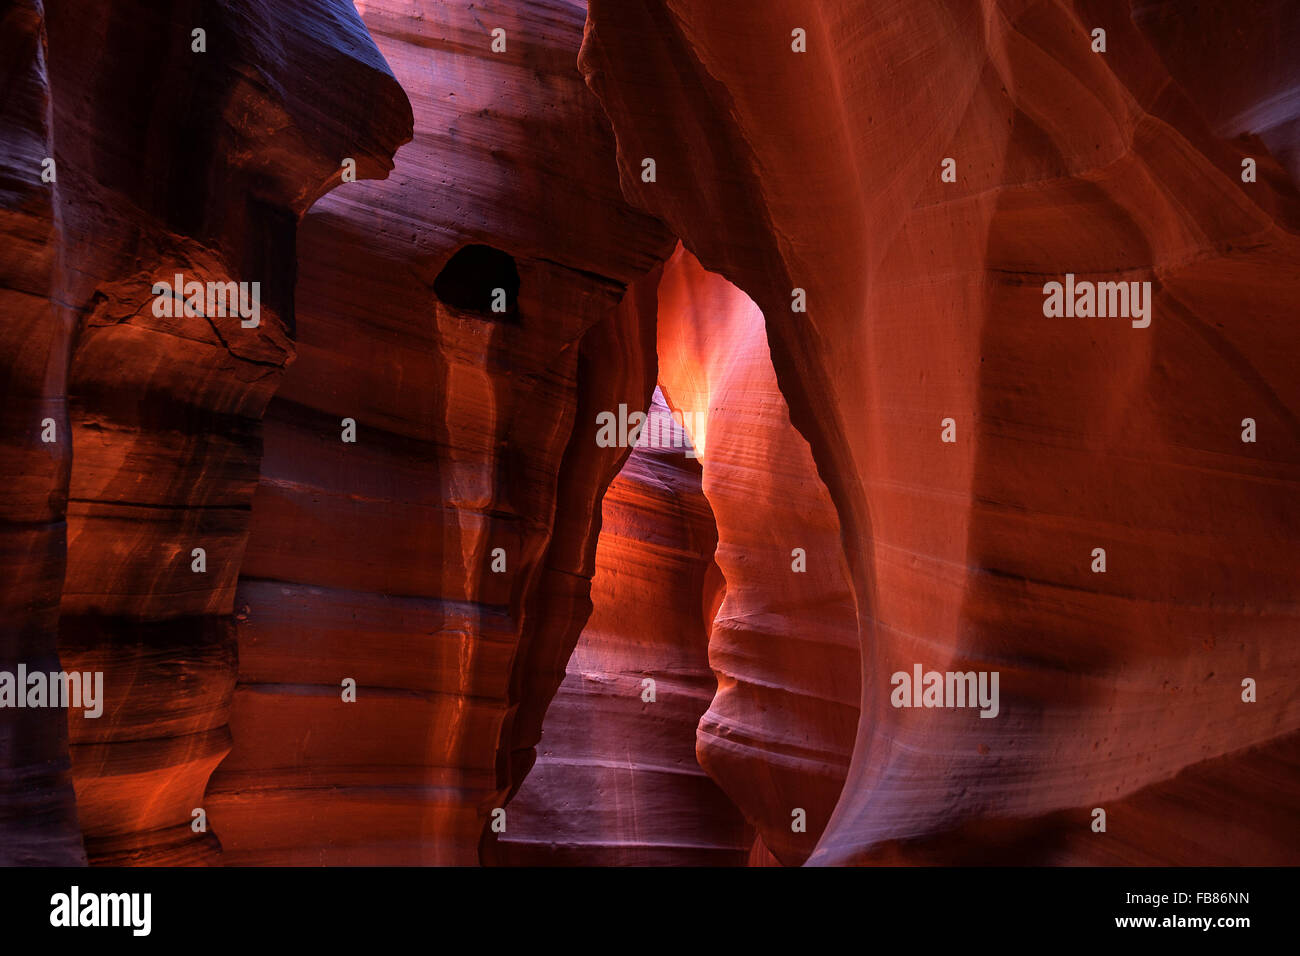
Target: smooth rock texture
(821,171)
(779,733)
(1237,64)
(616,782)
(38,821)
(397,486)
(200,166)
(374,560)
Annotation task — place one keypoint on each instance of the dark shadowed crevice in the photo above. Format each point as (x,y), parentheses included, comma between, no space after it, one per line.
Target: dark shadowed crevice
(482,280)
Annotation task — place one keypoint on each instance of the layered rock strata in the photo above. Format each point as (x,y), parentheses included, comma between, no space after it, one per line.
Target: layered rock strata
(198,167)
(38,821)
(778,735)
(616,782)
(441,561)
(817,177)
(334,558)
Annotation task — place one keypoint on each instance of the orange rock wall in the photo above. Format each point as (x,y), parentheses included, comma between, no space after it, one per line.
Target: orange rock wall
(374,560)
(617,782)
(834,270)
(924,302)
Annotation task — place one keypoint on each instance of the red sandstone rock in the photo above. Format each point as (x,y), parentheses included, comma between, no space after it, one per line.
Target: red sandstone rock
(1237,65)
(199,165)
(820,171)
(38,821)
(374,560)
(779,733)
(815,171)
(617,782)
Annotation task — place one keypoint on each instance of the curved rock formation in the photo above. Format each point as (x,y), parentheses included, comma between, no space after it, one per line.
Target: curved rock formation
(821,172)
(780,731)
(200,167)
(1241,71)
(334,555)
(38,821)
(617,783)
(377,560)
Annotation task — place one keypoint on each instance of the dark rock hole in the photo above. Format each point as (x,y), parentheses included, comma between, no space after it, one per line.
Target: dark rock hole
(470,280)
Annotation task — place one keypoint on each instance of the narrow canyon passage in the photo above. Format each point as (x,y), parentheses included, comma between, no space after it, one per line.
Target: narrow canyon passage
(616,780)
(981,455)
(365,586)
(621,779)
(779,734)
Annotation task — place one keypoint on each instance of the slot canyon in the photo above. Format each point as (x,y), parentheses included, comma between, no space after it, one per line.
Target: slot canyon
(366,585)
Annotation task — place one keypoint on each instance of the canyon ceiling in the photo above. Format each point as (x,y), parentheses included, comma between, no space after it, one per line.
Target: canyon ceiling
(367,584)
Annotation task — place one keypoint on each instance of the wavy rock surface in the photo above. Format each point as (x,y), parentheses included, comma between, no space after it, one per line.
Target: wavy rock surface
(617,782)
(199,166)
(820,171)
(374,560)
(780,731)
(38,820)
(444,559)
